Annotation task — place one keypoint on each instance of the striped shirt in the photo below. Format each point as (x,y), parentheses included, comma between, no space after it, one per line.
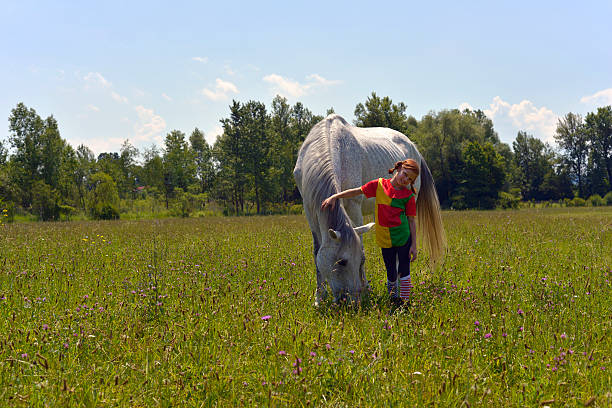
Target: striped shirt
(393,207)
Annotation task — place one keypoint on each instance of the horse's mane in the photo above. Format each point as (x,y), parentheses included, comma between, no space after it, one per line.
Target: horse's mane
(319,179)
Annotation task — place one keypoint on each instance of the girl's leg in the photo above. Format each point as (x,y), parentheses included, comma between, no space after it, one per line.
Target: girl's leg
(403,254)
(390,257)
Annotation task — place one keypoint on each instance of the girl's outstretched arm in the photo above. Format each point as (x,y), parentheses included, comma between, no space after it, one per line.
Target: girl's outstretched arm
(331,201)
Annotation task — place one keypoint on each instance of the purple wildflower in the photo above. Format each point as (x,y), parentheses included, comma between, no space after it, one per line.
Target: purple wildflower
(488,335)
(266,317)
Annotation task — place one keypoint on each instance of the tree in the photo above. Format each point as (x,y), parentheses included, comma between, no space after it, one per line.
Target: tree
(253,128)
(534,161)
(128,165)
(483,176)
(52,148)
(179,166)
(44,201)
(283,149)
(26,129)
(443,137)
(203,160)
(152,172)
(377,112)
(572,138)
(3,154)
(103,197)
(599,131)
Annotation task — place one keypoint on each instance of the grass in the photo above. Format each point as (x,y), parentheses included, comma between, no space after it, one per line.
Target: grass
(219,311)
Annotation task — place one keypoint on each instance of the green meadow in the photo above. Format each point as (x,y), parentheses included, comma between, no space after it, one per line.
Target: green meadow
(219,311)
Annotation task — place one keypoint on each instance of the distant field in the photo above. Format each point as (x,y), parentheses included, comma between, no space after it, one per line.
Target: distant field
(219,311)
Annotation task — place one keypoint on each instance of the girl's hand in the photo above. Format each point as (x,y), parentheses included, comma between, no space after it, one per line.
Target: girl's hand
(328,202)
(412,254)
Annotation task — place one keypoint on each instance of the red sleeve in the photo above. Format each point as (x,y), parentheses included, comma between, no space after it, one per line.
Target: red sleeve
(369,188)
(411,207)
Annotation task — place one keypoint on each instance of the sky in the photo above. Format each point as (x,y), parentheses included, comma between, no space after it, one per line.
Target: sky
(116,70)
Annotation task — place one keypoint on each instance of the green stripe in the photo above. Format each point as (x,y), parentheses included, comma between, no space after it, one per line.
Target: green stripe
(401,233)
(400,202)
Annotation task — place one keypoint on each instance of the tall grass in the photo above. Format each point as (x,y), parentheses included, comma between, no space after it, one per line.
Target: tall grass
(219,311)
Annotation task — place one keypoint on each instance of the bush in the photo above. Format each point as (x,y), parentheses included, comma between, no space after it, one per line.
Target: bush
(108,212)
(66,211)
(507,200)
(608,198)
(7,211)
(577,202)
(296,209)
(103,198)
(44,202)
(596,201)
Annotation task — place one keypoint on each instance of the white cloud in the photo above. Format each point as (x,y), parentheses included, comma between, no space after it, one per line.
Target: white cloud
(541,122)
(222,90)
(95,78)
(285,86)
(93,108)
(291,88)
(603,97)
(118,98)
(149,126)
(229,71)
(319,80)
(166,97)
(203,60)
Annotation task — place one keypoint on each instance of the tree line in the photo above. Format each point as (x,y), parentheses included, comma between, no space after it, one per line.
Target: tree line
(249,169)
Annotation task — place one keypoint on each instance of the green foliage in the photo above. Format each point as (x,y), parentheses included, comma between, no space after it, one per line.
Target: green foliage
(572,137)
(296,209)
(509,200)
(608,198)
(443,138)
(577,202)
(595,201)
(483,174)
(44,201)
(7,212)
(382,112)
(103,197)
(599,129)
(249,169)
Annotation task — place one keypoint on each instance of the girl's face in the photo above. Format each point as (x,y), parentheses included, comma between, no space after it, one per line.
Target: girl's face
(405,177)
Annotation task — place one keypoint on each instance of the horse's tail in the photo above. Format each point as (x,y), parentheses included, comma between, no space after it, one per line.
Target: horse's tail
(429,218)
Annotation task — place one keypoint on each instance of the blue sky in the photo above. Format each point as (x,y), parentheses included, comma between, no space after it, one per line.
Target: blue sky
(111,71)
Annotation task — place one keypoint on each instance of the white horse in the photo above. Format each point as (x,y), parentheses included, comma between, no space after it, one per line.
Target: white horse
(337,156)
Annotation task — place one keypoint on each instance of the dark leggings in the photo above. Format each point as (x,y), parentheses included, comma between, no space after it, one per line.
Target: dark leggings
(401,254)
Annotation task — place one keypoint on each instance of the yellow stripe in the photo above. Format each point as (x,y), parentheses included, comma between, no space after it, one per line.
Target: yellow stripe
(381,196)
(383,236)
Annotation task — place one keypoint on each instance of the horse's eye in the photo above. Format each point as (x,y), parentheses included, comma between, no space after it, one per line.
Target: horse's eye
(342,262)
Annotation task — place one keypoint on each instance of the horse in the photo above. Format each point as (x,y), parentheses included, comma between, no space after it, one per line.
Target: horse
(336,156)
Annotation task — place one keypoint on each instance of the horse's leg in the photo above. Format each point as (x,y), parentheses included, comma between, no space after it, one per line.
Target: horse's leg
(321,292)
(353,209)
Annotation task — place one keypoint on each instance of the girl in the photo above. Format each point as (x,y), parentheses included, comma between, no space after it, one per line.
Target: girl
(395,210)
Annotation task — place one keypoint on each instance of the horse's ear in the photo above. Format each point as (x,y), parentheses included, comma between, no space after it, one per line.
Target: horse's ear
(364,228)
(335,235)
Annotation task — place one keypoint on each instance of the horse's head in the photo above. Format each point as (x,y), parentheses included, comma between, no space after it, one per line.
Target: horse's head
(340,261)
